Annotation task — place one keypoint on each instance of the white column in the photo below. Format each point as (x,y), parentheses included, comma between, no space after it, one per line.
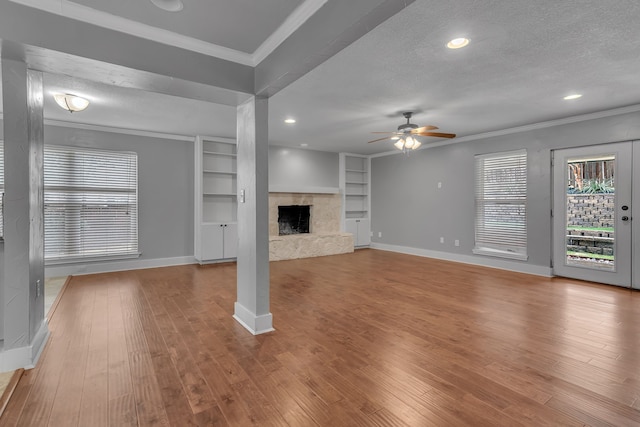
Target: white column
(25,329)
(252,305)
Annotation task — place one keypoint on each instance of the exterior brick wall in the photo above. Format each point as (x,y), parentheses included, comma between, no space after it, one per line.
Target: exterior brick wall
(590,210)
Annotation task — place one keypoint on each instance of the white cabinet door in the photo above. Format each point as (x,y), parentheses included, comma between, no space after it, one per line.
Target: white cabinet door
(212,238)
(230,249)
(351,226)
(360,230)
(364,234)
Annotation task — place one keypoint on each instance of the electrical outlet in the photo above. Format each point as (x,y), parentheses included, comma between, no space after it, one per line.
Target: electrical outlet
(379,234)
(457,242)
(439,185)
(442,240)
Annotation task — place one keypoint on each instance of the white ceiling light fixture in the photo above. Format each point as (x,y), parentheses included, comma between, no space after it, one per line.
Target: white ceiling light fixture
(458,43)
(289,121)
(71,103)
(169,5)
(407,142)
(406,137)
(572,96)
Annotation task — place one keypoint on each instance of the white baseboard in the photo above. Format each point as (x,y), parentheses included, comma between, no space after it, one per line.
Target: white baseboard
(502,264)
(109,266)
(252,322)
(25,357)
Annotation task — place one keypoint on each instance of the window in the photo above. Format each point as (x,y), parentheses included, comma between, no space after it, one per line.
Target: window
(90,204)
(501,205)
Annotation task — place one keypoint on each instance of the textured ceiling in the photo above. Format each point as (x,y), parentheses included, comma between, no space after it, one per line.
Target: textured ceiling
(235,24)
(524,56)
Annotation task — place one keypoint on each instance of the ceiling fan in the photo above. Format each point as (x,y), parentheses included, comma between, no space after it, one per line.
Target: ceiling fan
(406,134)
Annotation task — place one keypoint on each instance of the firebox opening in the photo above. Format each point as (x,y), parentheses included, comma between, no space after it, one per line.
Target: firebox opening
(293,219)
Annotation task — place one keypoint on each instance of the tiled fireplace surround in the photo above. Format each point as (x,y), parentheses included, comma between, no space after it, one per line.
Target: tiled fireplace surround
(324,237)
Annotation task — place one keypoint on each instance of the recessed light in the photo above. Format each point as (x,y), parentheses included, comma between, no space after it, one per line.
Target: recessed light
(573,96)
(458,43)
(289,121)
(169,5)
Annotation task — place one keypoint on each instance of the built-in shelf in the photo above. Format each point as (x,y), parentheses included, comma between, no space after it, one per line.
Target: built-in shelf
(216,199)
(219,172)
(354,183)
(219,153)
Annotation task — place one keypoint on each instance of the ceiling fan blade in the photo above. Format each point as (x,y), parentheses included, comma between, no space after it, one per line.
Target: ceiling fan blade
(424,129)
(437,134)
(379,139)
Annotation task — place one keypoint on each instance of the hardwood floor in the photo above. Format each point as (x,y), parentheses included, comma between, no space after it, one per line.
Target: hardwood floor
(366,339)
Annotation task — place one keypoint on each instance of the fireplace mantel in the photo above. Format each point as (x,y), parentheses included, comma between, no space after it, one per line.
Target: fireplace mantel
(303,190)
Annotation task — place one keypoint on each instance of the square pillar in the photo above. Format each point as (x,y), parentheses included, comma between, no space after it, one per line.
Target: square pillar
(25,329)
(252,305)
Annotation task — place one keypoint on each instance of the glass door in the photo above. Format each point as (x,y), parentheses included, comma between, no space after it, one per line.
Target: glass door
(592,213)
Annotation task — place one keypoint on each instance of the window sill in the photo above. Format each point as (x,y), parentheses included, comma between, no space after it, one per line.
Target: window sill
(500,253)
(78,260)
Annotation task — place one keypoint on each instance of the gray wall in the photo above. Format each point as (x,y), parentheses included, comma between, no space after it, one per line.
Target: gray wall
(410,211)
(165,186)
(302,168)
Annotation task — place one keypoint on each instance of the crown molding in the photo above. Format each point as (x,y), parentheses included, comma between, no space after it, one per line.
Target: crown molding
(102,19)
(526,128)
(111,129)
(79,12)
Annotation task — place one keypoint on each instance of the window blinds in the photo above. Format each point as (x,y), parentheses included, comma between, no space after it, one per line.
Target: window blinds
(501,204)
(90,203)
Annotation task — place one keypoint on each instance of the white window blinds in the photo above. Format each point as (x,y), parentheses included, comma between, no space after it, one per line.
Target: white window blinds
(501,204)
(90,203)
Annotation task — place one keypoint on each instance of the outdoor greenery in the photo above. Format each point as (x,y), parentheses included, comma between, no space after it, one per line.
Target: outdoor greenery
(600,229)
(593,186)
(589,255)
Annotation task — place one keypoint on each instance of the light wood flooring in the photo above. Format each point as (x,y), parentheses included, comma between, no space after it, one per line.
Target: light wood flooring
(366,339)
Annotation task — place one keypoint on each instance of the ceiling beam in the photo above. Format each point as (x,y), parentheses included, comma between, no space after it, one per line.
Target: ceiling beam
(56,44)
(333,27)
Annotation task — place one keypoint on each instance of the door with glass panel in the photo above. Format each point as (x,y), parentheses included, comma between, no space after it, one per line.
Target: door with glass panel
(592,233)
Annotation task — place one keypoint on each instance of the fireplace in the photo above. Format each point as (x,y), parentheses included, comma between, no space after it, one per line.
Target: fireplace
(293,219)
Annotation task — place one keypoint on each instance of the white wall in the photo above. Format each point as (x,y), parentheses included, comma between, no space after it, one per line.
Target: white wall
(412,213)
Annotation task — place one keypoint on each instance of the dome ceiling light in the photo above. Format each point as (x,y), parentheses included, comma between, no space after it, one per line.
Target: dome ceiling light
(71,103)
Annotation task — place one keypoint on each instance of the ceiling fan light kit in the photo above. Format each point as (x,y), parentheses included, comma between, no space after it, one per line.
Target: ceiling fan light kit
(405,137)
